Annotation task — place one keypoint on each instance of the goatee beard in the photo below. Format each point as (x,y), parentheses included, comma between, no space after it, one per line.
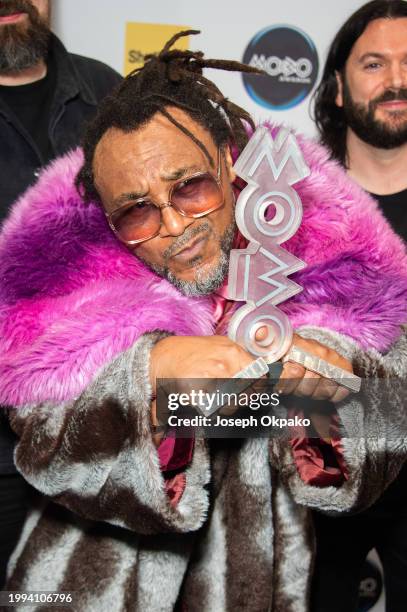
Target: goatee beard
(206,280)
(22,44)
(363,123)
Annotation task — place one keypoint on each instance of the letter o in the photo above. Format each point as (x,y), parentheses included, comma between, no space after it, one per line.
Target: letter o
(304,68)
(273,65)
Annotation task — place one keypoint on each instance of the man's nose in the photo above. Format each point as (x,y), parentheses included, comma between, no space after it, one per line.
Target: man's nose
(396,76)
(173,223)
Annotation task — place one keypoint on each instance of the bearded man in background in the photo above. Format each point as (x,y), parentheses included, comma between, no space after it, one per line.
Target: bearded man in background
(361,113)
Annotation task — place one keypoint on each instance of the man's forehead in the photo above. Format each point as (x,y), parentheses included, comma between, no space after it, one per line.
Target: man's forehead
(157,150)
(159,131)
(381,35)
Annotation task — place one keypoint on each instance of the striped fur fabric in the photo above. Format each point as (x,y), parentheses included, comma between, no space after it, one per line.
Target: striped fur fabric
(239,539)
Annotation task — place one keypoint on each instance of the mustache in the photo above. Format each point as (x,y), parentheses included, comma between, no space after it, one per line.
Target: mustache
(390,95)
(9,7)
(189,233)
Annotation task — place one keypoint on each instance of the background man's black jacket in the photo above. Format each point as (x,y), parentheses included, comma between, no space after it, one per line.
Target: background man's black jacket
(81,84)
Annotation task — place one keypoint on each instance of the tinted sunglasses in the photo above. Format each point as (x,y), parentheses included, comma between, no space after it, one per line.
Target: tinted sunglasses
(194,196)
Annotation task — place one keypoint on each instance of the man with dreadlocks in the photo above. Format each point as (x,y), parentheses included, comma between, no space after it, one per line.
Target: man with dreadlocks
(106,288)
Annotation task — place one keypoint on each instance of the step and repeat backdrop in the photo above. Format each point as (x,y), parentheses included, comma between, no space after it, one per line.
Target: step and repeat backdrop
(289,40)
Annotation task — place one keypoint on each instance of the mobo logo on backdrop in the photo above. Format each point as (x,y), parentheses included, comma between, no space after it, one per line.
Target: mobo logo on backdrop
(290,60)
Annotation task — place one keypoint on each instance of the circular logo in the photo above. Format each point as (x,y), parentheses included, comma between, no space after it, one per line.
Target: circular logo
(370,587)
(290,60)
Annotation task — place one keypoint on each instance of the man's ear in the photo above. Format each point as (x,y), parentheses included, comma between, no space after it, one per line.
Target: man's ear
(229,164)
(339,84)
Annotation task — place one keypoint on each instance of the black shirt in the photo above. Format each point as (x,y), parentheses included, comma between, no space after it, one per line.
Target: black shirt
(31,105)
(80,84)
(394,208)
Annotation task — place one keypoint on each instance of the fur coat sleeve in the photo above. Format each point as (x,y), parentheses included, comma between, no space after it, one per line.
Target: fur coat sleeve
(373,425)
(95,454)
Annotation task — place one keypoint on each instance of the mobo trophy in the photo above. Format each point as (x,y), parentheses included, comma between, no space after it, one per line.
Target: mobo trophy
(268,213)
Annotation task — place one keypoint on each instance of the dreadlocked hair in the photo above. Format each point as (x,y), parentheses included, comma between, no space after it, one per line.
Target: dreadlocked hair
(170,78)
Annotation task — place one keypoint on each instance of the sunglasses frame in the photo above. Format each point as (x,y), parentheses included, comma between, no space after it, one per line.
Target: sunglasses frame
(216,178)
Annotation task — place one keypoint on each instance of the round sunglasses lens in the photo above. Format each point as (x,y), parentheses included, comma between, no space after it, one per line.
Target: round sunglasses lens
(136,222)
(197,195)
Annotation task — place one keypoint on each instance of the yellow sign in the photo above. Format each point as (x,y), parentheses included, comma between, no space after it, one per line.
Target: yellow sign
(144,38)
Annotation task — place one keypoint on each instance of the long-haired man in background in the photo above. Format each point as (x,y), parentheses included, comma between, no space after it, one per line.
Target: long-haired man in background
(361,114)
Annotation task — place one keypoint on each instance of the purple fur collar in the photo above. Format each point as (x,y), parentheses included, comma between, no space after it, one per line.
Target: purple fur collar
(72,297)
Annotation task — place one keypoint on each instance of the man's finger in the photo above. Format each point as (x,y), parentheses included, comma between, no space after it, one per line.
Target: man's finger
(340,394)
(308,384)
(325,389)
(290,377)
